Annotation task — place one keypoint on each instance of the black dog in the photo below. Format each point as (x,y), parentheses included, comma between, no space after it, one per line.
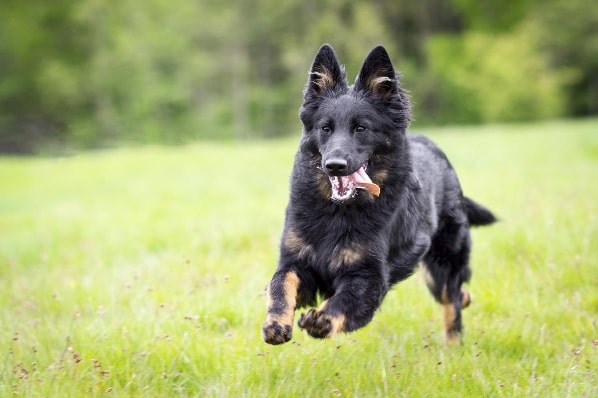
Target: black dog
(368,203)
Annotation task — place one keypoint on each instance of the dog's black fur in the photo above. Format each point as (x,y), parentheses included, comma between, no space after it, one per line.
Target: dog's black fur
(350,253)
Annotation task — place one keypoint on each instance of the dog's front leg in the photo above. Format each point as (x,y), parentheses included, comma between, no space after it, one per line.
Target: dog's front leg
(282,299)
(352,306)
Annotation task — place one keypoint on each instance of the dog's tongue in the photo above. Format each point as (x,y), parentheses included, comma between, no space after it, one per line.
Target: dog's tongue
(363,181)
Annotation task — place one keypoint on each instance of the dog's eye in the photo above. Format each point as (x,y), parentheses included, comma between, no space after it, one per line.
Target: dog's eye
(326,128)
(359,129)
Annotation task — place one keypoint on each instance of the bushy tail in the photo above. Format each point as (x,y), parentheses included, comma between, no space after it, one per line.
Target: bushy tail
(478,214)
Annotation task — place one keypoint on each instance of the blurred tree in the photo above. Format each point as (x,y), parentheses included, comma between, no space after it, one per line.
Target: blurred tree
(41,53)
(411,23)
(151,70)
(492,15)
(89,73)
(484,77)
(567,31)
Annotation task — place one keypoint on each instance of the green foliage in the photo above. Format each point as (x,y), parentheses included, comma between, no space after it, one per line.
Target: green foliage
(93,73)
(141,272)
(480,77)
(568,34)
(490,15)
(39,48)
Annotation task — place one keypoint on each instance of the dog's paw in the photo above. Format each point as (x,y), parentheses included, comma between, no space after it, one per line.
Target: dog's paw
(275,333)
(466,298)
(321,325)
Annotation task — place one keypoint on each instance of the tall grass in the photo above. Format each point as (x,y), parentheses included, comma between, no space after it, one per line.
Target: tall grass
(140,272)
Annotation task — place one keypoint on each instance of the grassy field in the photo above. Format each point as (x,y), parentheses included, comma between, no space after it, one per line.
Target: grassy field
(140,272)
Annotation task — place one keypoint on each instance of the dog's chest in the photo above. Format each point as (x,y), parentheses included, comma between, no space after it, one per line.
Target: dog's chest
(330,247)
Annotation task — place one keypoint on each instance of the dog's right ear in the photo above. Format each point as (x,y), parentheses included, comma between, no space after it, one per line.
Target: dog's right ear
(325,74)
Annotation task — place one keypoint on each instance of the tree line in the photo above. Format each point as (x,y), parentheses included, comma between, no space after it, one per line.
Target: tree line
(90,73)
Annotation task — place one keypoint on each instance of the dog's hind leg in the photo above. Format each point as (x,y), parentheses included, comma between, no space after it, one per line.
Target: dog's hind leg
(446,268)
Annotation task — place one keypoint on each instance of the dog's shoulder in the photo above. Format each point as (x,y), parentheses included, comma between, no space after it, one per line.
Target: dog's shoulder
(423,148)
(435,173)
(427,157)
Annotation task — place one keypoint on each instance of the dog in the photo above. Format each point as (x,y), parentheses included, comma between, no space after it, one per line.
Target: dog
(368,203)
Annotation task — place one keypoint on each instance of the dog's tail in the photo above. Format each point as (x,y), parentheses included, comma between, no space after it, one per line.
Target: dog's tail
(477,214)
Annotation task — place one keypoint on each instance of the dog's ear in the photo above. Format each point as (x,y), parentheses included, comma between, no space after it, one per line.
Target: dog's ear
(377,74)
(325,74)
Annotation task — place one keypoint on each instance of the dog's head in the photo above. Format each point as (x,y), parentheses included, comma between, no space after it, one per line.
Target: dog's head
(352,130)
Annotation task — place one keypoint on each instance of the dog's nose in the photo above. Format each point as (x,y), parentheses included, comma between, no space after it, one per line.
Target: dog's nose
(336,165)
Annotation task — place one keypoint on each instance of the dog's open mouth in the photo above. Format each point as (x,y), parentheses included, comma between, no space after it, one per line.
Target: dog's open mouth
(345,187)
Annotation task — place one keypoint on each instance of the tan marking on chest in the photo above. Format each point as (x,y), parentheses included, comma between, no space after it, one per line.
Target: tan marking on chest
(295,244)
(349,255)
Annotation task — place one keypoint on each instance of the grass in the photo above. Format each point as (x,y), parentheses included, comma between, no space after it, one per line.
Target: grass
(140,272)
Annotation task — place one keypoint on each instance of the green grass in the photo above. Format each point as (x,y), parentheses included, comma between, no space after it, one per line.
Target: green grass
(140,272)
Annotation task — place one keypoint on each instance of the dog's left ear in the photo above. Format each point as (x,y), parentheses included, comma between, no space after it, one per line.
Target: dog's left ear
(377,74)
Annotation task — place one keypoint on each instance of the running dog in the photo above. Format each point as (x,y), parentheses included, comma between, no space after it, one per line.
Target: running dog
(368,203)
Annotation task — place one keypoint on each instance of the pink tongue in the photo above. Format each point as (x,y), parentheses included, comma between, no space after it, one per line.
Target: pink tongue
(360,176)
(363,181)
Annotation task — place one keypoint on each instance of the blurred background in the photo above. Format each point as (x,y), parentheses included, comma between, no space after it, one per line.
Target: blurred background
(95,73)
